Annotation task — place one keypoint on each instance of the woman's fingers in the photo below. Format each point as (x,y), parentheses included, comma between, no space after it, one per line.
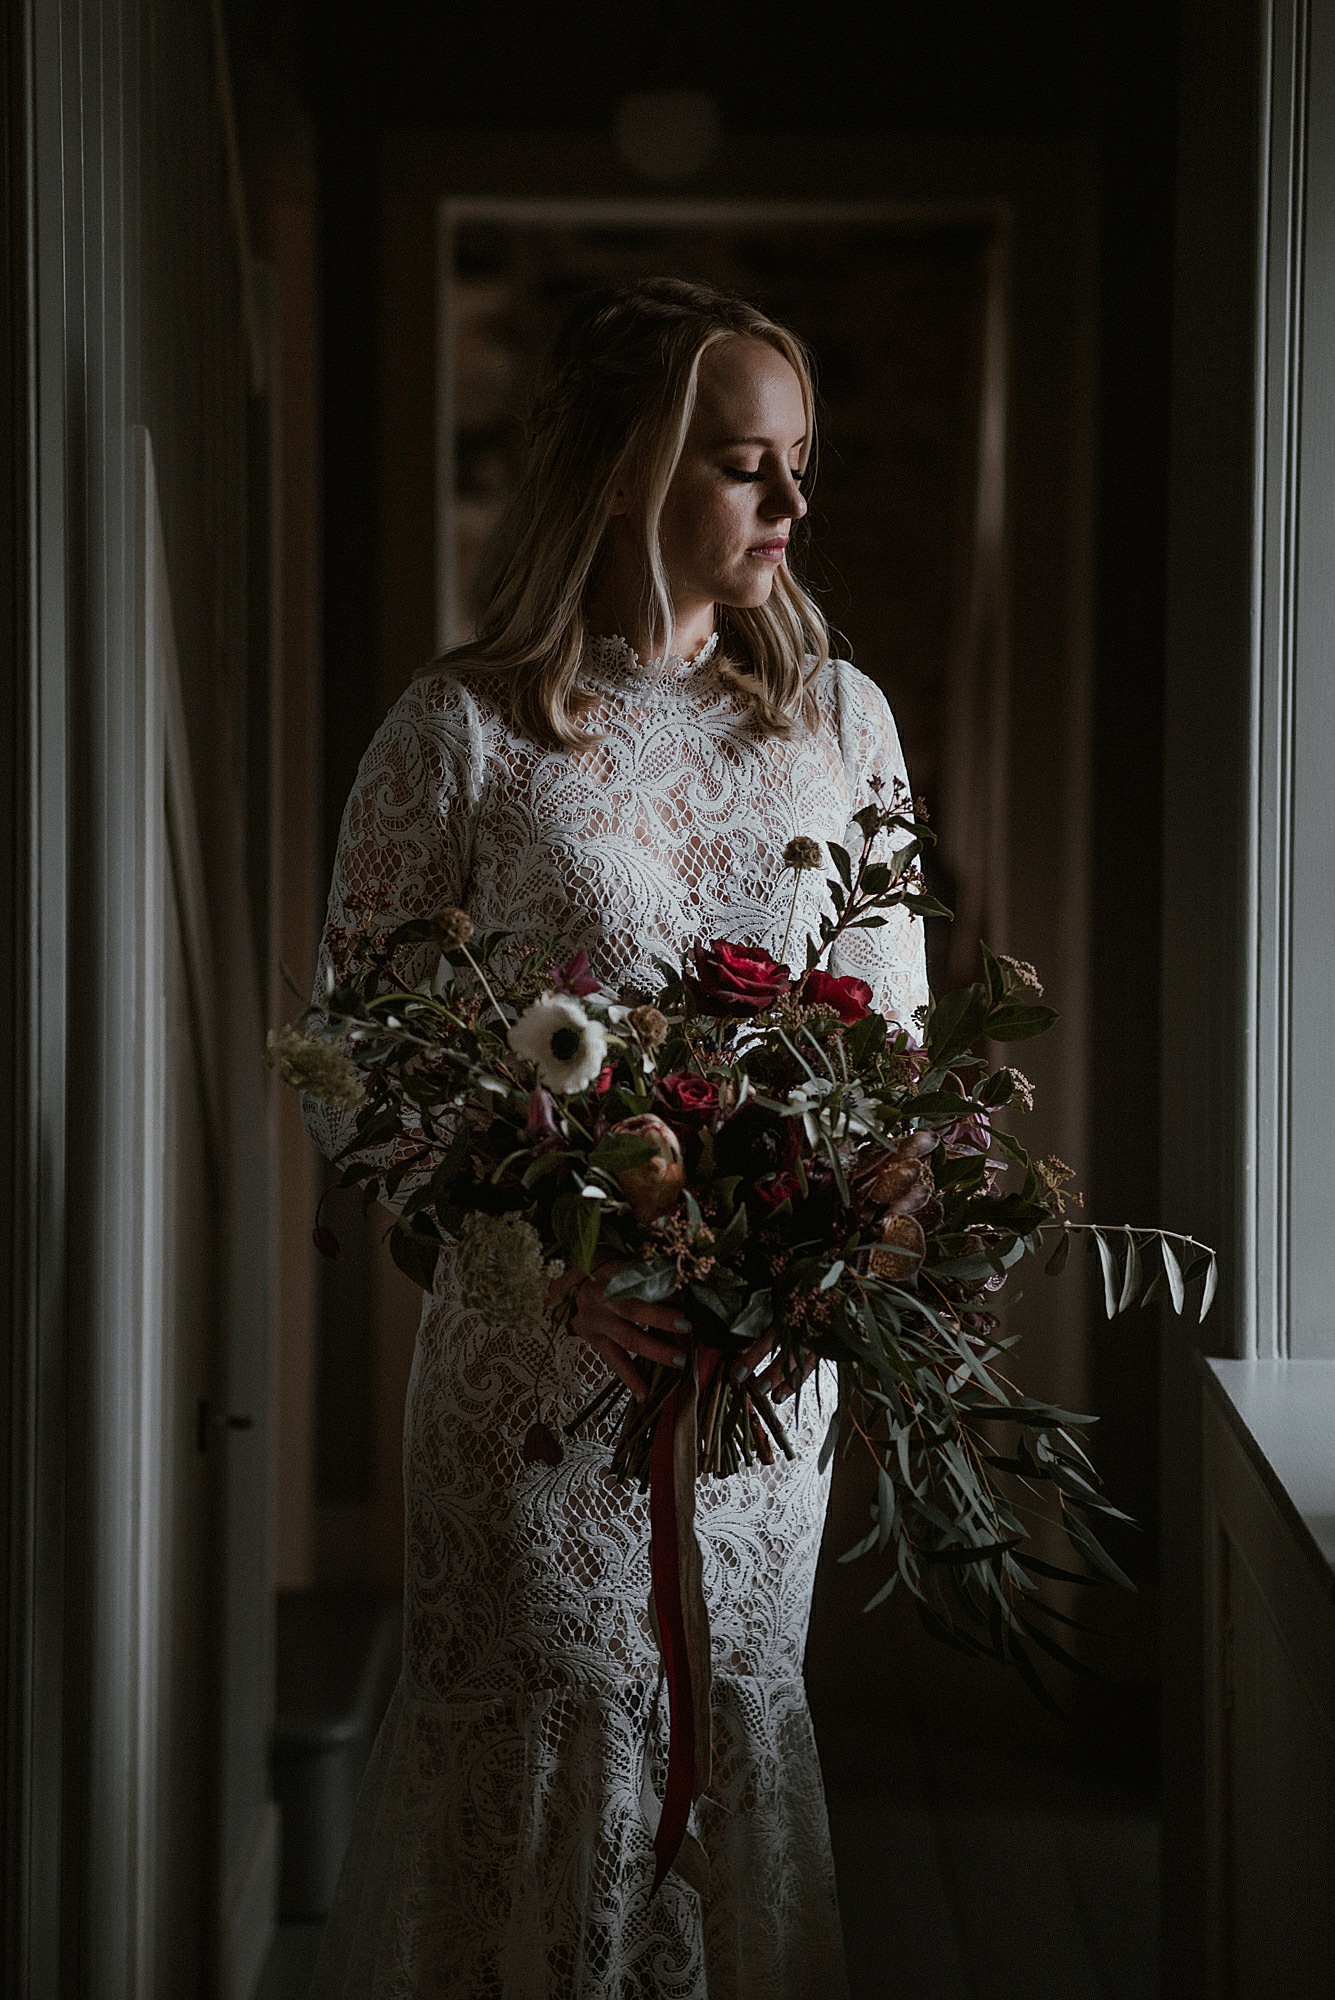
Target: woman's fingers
(774,1373)
(620,1364)
(623,1326)
(669,1318)
(781,1380)
(759,1351)
(603,1322)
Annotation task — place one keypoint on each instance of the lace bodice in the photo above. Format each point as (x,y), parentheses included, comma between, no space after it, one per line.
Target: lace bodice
(668,828)
(503,1844)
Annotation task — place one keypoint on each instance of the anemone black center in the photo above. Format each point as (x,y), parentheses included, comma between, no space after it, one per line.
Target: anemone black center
(565,1043)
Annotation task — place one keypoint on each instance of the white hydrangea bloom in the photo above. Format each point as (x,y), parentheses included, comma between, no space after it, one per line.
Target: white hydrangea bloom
(501,1271)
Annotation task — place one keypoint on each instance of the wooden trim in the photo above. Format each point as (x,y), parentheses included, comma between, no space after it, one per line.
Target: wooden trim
(1278,484)
(1292,877)
(1204,1057)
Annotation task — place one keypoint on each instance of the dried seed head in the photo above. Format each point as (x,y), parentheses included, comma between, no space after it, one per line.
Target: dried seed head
(650,1026)
(802,852)
(452,929)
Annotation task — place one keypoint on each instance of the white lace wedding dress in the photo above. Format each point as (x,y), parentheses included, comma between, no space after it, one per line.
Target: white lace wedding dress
(502,1849)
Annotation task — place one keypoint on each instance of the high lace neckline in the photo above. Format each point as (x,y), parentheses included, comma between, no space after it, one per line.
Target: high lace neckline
(612,661)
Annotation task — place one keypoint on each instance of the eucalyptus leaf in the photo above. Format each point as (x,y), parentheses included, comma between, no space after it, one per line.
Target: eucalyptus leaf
(1093,1550)
(1131,1275)
(886,1507)
(879,1596)
(1173,1273)
(829,1441)
(1210,1286)
(862,1548)
(755,1318)
(965,1553)
(1155,1290)
(1107,1260)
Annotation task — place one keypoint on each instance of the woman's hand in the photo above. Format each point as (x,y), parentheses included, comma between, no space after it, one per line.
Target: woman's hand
(621,1328)
(776,1378)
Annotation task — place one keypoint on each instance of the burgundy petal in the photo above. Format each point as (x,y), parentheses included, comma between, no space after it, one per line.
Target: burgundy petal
(540,1447)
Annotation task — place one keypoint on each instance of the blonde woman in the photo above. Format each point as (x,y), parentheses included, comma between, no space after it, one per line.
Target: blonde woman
(649,712)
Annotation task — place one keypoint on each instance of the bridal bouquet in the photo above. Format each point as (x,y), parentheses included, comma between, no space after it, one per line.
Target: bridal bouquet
(806,1180)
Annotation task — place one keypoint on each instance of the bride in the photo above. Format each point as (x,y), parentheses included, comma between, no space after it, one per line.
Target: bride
(648,713)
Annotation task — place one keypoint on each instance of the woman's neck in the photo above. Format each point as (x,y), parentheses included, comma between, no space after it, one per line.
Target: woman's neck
(616,604)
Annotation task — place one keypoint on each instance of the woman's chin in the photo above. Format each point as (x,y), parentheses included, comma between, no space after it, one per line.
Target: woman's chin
(750,592)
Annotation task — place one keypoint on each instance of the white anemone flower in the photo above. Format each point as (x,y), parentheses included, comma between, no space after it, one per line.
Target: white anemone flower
(568,1048)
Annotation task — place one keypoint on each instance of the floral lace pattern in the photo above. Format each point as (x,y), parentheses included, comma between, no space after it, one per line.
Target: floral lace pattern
(502,1847)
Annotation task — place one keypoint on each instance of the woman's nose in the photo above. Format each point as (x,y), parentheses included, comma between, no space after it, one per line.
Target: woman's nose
(785,500)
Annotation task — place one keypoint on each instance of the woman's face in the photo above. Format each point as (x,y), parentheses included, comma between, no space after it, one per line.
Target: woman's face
(735,493)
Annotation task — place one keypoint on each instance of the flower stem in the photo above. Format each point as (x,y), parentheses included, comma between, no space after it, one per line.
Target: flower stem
(484,982)
(792,912)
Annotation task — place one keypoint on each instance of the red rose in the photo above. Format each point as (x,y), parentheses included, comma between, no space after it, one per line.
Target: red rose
(756,1142)
(687,1100)
(849,998)
(783,1187)
(734,980)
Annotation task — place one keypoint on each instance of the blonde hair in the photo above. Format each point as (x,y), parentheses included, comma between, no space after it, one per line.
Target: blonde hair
(611,408)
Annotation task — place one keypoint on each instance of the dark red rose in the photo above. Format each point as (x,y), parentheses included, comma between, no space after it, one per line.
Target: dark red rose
(849,998)
(755,1143)
(783,1187)
(734,980)
(686,1100)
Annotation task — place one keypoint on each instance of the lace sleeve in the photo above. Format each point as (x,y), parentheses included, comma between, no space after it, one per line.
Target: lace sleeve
(892,959)
(404,850)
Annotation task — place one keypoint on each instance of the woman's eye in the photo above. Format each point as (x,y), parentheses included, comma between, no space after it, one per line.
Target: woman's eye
(799,479)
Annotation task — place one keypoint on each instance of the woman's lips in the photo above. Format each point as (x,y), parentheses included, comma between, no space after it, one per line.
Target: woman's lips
(771,551)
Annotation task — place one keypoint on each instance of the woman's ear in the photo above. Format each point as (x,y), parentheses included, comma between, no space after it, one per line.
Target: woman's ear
(619,502)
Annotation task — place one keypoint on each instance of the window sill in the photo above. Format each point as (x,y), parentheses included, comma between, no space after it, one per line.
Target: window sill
(1283,1413)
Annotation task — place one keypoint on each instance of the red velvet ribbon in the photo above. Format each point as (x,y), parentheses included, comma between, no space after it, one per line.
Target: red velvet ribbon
(679,1606)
